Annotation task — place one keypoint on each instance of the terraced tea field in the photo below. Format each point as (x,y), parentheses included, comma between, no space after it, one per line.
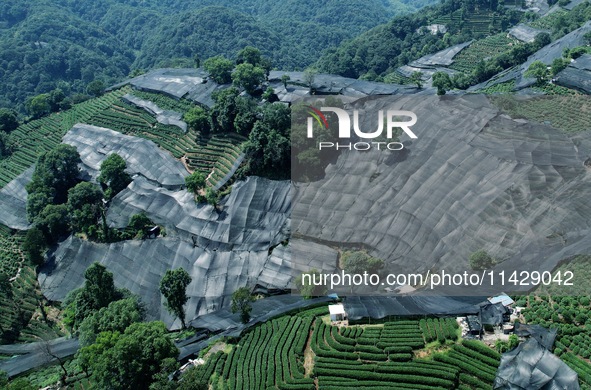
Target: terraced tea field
(39,136)
(489,47)
(478,22)
(215,155)
(304,352)
(212,155)
(548,22)
(574,114)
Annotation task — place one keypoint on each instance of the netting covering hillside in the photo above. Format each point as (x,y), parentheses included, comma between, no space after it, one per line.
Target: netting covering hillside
(13,202)
(577,74)
(531,366)
(473,179)
(221,251)
(143,157)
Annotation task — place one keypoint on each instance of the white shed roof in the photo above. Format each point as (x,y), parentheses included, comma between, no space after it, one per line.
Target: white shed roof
(336,309)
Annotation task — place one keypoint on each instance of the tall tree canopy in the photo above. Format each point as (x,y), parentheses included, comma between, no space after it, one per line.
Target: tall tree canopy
(113,177)
(55,173)
(173,287)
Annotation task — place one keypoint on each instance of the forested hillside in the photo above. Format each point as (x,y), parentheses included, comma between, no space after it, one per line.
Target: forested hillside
(386,47)
(66,44)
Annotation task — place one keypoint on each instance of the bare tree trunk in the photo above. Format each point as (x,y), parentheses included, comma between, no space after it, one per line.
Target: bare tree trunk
(50,355)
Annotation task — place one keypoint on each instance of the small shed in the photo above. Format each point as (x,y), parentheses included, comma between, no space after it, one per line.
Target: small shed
(337,312)
(503,298)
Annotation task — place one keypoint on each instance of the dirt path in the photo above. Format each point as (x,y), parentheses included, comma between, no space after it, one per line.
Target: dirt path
(309,356)
(217,347)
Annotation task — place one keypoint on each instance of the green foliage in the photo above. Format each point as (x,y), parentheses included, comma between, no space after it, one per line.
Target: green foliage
(95,88)
(54,221)
(173,287)
(241,300)
(417,78)
(38,106)
(5,148)
(223,112)
(198,119)
(211,197)
(542,39)
(358,262)
(195,181)
(19,384)
(284,79)
(113,176)
(253,56)
(139,224)
(85,207)
(268,147)
(480,260)
(268,94)
(55,173)
(539,70)
(442,82)
(384,48)
(131,360)
(219,69)
(8,120)
(116,317)
(98,291)
(558,65)
(34,246)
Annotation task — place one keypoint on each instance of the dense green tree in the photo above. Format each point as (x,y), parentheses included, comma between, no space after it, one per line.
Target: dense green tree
(8,120)
(3,378)
(173,287)
(268,95)
(129,361)
(192,380)
(57,100)
(417,79)
(219,69)
(246,115)
(284,79)
(211,196)
(198,119)
(140,223)
(38,106)
(442,82)
(195,182)
(241,303)
(116,317)
(19,384)
(54,221)
(248,77)
(98,291)
(224,110)
(513,341)
(541,40)
(34,245)
(55,173)
(249,55)
(4,145)
(358,262)
(85,207)
(558,65)
(481,260)
(539,70)
(95,88)
(113,176)
(268,147)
